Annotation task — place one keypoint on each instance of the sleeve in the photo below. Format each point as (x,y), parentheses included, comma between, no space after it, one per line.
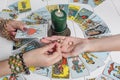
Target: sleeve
(6,47)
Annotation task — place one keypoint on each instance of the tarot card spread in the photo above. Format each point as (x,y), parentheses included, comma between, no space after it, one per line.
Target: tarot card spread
(33,31)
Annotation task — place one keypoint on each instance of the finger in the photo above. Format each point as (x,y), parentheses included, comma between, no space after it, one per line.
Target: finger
(45,41)
(66,55)
(53,38)
(58,48)
(13,33)
(55,57)
(48,47)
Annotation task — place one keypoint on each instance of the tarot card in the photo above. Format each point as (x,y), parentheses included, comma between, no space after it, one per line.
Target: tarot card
(64,7)
(18,44)
(14,7)
(84,1)
(99,30)
(52,7)
(95,3)
(103,77)
(77,68)
(33,31)
(5,78)
(44,71)
(61,69)
(95,26)
(41,16)
(91,22)
(24,5)
(82,15)
(101,55)
(29,21)
(112,70)
(91,61)
(73,10)
(91,79)
(76,1)
(34,44)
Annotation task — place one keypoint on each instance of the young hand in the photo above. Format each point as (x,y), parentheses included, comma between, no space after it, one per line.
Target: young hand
(70,46)
(41,57)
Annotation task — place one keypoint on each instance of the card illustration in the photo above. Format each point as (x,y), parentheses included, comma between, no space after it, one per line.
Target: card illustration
(91,61)
(33,31)
(24,5)
(73,10)
(52,7)
(77,68)
(112,70)
(64,7)
(82,15)
(61,69)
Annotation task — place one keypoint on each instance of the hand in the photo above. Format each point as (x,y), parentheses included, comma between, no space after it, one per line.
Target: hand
(70,46)
(41,57)
(13,25)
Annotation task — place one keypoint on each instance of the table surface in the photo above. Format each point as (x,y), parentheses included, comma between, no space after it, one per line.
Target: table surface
(109,11)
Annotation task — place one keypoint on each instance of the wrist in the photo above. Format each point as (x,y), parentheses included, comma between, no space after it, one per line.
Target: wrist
(88,45)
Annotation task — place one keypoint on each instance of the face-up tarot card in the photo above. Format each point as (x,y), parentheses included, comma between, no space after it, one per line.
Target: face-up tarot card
(103,77)
(82,15)
(24,5)
(52,7)
(41,16)
(18,44)
(33,31)
(33,44)
(95,26)
(112,70)
(94,3)
(61,69)
(77,67)
(73,10)
(14,7)
(64,7)
(44,71)
(91,61)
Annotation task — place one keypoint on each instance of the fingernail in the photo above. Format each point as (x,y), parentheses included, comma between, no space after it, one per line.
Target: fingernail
(25,29)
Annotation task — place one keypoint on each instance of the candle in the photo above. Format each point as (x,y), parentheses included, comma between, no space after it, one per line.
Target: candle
(59,19)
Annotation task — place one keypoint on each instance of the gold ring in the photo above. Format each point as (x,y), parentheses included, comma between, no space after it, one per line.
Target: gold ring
(70,43)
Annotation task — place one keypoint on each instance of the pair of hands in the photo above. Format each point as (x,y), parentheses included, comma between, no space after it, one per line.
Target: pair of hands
(56,48)
(59,46)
